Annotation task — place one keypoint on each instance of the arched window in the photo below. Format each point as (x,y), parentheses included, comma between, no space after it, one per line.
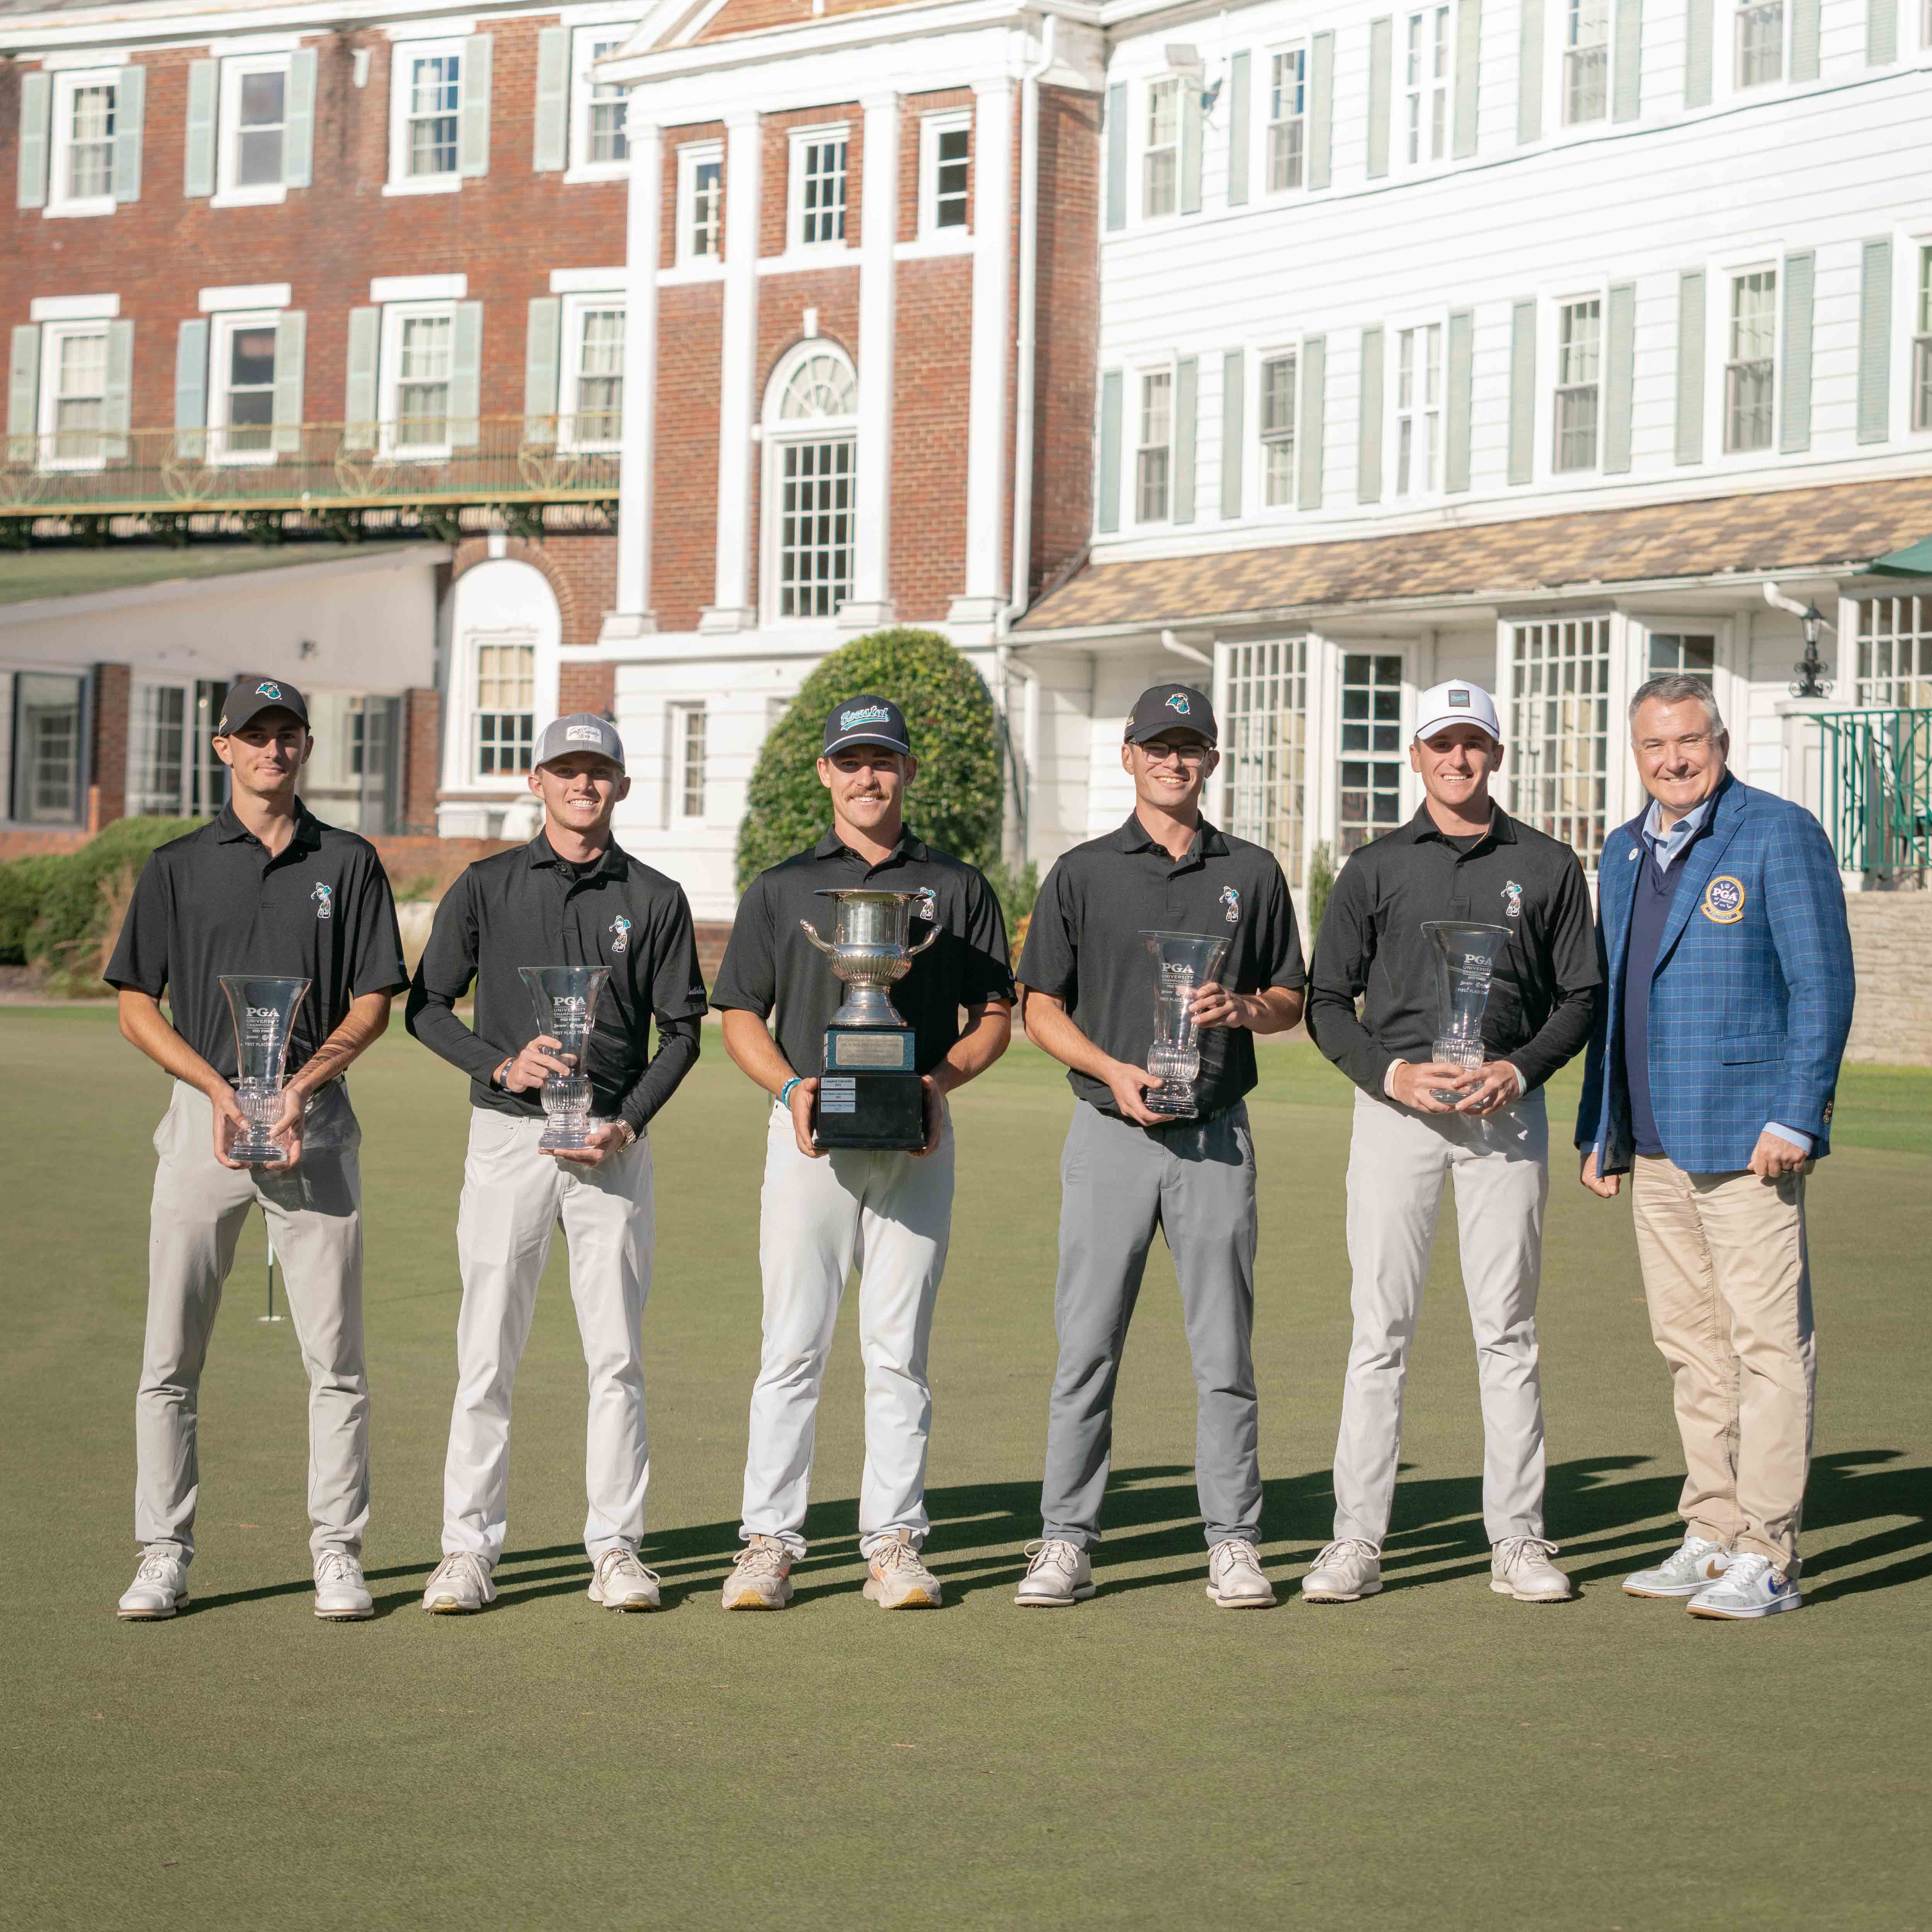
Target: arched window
(811,429)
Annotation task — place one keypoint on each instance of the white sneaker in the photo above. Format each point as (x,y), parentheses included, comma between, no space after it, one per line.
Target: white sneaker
(899,1581)
(1519,1567)
(1058,1573)
(760,1578)
(1750,1587)
(622,1583)
(1346,1571)
(460,1584)
(341,1596)
(1694,1564)
(160,1588)
(1234,1578)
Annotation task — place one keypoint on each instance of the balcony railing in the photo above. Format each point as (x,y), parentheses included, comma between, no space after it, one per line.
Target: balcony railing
(271,467)
(1877,789)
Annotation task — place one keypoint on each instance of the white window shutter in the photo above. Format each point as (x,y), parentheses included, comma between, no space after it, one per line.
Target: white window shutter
(1186,411)
(131,93)
(1804,40)
(1460,371)
(23,392)
(1107,510)
(36,111)
(116,402)
(1619,377)
(1468,72)
(1523,392)
(466,376)
(204,86)
(550,148)
(358,393)
(1116,155)
(1237,129)
(1311,421)
(291,355)
(1320,107)
(1382,53)
(1875,343)
(191,390)
(1627,103)
(543,363)
(1234,410)
(1691,351)
(1794,401)
(1881,32)
(299,143)
(1529,72)
(1193,142)
(1698,27)
(1369,449)
(473,137)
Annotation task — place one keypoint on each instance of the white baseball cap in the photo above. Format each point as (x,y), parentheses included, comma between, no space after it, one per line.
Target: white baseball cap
(1456,702)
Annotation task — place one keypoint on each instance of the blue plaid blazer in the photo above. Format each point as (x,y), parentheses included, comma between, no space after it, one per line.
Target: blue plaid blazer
(1751,1000)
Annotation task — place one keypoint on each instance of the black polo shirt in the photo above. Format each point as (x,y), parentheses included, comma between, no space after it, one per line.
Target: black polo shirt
(527,907)
(770,964)
(214,901)
(1544,997)
(1084,946)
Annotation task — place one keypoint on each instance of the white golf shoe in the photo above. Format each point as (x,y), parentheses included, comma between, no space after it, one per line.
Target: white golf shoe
(1519,1567)
(459,1585)
(622,1583)
(160,1588)
(1694,1565)
(1750,1587)
(897,1579)
(760,1578)
(1345,1572)
(1235,1581)
(341,1596)
(1058,1573)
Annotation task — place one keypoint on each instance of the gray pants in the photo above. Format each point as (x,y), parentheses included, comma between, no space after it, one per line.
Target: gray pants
(1196,1182)
(1397,1165)
(314,1214)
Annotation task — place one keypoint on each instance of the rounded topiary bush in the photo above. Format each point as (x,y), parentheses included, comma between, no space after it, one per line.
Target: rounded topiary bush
(955,802)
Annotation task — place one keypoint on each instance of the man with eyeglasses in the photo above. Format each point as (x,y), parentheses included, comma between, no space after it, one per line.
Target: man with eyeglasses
(1087,987)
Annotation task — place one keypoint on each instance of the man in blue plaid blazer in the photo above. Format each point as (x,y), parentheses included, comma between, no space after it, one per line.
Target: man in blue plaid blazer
(1728,965)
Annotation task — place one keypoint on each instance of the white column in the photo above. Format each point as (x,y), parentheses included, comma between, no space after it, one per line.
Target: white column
(733,605)
(871,602)
(643,212)
(984,594)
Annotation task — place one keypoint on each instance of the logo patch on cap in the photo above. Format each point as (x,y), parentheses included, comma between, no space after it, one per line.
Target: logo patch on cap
(1178,702)
(266,689)
(1458,700)
(584,734)
(864,714)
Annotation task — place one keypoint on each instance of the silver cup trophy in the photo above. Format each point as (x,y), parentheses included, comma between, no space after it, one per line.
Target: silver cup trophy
(1183,962)
(1465,959)
(565,998)
(870,1094)
(264,1008)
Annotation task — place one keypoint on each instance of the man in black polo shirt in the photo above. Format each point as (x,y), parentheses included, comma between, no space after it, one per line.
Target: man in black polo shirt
(821,1208)
(263,888)
(572,897)
(1461,857)
(1088,985)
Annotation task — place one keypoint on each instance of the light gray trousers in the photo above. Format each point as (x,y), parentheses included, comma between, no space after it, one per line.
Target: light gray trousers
(1396,1164)
(1196,1182)
(314,1214)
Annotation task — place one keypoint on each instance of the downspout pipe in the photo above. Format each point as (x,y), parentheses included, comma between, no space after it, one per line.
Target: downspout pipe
(1023,428)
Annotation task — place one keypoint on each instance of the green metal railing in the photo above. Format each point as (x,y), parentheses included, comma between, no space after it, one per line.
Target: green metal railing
(1877,788)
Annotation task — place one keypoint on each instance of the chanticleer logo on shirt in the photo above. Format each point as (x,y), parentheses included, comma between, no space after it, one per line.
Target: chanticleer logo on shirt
(324,896)
(925,904)
(1178,702)
(864,714)
(1512,898)
(1231,898)
(620,935)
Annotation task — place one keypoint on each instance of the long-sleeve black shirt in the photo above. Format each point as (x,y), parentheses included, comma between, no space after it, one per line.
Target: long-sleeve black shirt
(1542,998)
(528,908)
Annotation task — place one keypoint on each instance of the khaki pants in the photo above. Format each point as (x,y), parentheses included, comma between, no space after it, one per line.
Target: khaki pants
(1729,1285)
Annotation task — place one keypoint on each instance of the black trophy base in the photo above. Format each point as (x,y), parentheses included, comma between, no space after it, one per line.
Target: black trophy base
(869,1095)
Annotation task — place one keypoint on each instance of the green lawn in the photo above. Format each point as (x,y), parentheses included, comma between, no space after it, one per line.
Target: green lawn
(1438,1756)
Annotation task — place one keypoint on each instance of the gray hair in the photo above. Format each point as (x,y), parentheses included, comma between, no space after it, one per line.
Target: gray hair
(1677,687)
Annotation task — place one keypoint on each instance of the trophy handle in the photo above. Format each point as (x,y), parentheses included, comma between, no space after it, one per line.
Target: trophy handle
(913,952)
(811,932)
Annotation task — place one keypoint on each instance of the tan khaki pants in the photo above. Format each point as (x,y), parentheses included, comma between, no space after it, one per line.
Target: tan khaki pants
(1729,1285)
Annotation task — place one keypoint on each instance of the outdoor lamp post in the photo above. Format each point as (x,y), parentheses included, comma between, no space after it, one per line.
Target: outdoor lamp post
(1810,682)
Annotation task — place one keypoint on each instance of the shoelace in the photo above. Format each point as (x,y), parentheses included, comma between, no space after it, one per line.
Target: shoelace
(1745,1571)
(624,1563)
(1238,1549)
(1061,1554)
(333,1567)
(155,1568)
(761,1559)
(1337,1551)
(453,1570)
(1514,1549)
(896,1556)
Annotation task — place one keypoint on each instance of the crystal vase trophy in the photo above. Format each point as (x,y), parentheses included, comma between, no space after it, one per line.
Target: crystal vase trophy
(870,1094)
(1183,962)
(264,1010)
(1465,958)
(566,997)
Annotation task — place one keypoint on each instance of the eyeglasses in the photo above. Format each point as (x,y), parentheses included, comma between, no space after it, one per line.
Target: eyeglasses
(1158,753)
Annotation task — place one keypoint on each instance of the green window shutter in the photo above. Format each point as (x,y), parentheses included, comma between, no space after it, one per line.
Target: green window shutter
(1875,343)
(1112,386)
(1523,393)
(1690,351)
(1460,370)
(1794,401)
(1698,27)
(550,148)
(1321,108)
(1881,32)
(1382,53)
(23,393)
(1369,451)
(1804,40)
(298,144)
(191,389)
(473,130)
(542,364)
(130,94)
(1116,155)
(1186,411)
(1237,129)
(1529,72)
(204,86)
(1193,142)
(1619,377)
(358,393)
(291,345)
(466,376)
(1234,429)
(1312,423)
(1469,71)
(117,399)
(1627,102)
(36,107)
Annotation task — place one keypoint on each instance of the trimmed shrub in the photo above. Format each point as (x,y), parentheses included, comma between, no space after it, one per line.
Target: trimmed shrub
(24,885)
(87,894)
(1321,883)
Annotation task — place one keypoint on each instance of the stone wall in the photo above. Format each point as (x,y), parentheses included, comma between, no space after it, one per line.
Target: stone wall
(1892,947)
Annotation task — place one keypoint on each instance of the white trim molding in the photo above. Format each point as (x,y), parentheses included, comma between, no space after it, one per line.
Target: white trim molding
(245,295)
(74,308)
(418,288)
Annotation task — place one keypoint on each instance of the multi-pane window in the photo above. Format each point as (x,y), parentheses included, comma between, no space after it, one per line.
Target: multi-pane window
(1749,364)
(1278,429)
(701,220)
(1579,360)
(1372,744)
(687,722)
(435,96)
(1586,60)
(79,394)
(1418,410)
(815,527)
(90,142)
(245,375)
(599,386)
(607,141)
(423,346)
(1922,341)
(47,713)
(261,124)
(1760,31)
(1692,653)
(157,750)
(1153,457)
(1895,653)
(1160,167)
(947,163)
(1267,740)
(1287,119)
(1425,59)
(1560,730)
(506,718)
(820,162)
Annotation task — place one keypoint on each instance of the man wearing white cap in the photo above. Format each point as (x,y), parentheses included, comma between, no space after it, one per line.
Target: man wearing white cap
(1461,857)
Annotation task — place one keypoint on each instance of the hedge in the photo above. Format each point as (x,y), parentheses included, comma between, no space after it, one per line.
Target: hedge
(62,913)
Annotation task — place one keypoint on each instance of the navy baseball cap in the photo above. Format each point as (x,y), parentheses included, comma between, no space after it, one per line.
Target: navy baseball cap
(249,696)
(1162,708)
(866,720)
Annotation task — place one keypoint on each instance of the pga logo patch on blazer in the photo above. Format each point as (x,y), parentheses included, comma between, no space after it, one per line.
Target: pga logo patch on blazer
(1723,900)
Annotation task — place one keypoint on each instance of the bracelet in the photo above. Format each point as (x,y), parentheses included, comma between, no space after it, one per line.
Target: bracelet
(785,1092)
